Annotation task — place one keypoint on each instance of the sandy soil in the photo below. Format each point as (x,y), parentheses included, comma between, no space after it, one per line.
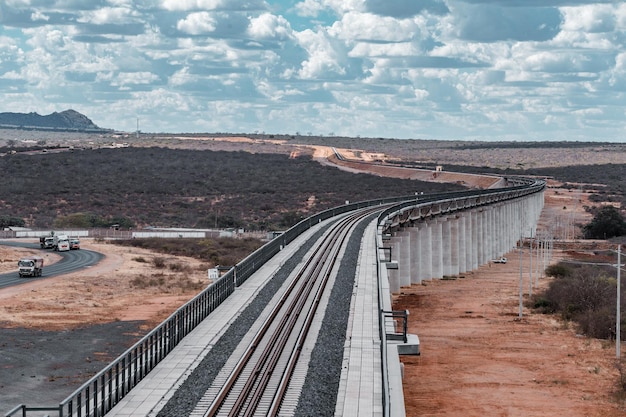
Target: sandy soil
(58,332)
(124,286)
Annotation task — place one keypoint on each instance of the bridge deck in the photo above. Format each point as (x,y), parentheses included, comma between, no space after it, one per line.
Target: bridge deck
(360,387)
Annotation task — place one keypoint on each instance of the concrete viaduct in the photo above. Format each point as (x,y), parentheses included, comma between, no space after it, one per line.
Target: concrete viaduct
(425,240)
(449,238)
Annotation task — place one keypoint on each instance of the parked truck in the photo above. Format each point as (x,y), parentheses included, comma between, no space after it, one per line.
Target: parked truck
(61,243)
(31,266)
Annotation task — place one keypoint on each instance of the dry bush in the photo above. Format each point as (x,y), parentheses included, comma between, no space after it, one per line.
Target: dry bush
(584,294)
(167,283)
(158,262)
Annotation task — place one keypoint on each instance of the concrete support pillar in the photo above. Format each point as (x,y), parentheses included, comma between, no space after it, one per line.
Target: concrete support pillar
(491,235)
(446,246)
(462,232)
(499,231)
(395,253)
(392,276)
(404,257)
(416,254)
(511,222)
(480,237)
(437,249)
(506,228)
(426,246)
(521,220)
(454,245)
(486,237)
(474,239)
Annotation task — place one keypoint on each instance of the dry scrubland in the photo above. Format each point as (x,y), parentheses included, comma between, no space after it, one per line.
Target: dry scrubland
(478,358)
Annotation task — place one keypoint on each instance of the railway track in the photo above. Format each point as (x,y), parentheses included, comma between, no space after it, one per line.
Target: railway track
(260,380)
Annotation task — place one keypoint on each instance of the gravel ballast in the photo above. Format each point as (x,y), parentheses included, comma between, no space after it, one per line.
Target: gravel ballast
(321,385)
(319,393)
(184,400)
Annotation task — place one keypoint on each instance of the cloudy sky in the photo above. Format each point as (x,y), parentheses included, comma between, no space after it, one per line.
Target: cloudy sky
(423,69)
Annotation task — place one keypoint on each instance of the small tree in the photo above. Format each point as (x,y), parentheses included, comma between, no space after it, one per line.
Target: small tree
(559,270)
(8,221)
(607,223)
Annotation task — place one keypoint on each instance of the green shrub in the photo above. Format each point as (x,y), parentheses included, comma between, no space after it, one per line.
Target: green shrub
(584,294)
(559,270)
(607,223)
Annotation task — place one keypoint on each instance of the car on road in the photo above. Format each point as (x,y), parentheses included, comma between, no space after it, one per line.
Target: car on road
(501,260)
(74,243)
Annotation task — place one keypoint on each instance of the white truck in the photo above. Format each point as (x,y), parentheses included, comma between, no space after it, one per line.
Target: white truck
(46,242)
(31,266)
(61,243)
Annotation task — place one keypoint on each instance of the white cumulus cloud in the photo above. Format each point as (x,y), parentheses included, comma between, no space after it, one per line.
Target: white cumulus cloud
(197,23)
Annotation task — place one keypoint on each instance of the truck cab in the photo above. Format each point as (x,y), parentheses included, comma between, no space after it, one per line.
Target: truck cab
(46,242)
(30,267)
(61,243)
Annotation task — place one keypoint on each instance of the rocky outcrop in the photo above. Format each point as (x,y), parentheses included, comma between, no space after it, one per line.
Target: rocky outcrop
(66,120)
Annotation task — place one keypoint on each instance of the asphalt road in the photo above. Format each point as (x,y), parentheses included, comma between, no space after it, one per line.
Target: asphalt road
(71,261)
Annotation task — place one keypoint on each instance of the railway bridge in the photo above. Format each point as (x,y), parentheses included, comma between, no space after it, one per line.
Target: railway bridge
(352,364)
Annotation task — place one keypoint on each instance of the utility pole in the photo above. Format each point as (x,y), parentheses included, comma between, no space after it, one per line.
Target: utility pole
(530,265)
(618,335)
(521,277)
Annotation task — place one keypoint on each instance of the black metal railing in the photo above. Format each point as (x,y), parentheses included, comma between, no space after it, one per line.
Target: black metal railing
(399,326)
(107,388)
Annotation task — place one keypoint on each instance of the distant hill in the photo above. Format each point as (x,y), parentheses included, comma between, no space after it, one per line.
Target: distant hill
(66,120)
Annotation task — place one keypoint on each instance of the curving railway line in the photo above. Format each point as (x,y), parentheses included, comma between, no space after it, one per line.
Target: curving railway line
(261,383)
(275,342)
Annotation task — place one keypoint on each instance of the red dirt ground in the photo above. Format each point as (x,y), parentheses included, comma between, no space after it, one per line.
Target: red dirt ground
(480,359)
